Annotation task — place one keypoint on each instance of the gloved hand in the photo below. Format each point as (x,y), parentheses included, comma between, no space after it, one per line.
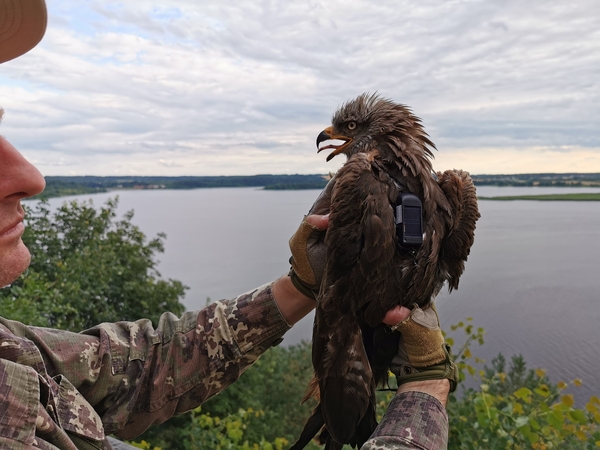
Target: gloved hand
(308,246)
(422,352)
(308,257)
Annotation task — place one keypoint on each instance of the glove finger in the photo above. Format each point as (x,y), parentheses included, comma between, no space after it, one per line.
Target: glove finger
(427,318)
(422,337)
(299,248)
(401,358)
(317,254)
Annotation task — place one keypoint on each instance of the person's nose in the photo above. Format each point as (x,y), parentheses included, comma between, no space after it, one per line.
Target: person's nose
(18,177)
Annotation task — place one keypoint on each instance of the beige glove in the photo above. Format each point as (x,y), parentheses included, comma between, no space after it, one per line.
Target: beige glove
(308,258)
(422,353)
(308,248)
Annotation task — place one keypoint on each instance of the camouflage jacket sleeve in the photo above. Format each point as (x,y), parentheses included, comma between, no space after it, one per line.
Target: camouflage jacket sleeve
(134,375)
(413,421)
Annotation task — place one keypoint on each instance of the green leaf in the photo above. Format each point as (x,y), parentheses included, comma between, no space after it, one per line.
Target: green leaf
(556,419)
(521,421)
(523,393)
(544,407)
(568,400)
(543,391)
(531,436)
(534,424)
(578,416)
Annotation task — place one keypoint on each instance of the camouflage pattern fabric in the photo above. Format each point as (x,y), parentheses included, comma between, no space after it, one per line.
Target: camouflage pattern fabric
(414,420)
(67,391)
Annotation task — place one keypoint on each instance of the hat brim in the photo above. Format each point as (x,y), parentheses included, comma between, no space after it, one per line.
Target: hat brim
(22,26)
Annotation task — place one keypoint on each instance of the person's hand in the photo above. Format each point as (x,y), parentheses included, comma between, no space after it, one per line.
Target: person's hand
(308,246)
(422,355)
(293,293)
(309,254)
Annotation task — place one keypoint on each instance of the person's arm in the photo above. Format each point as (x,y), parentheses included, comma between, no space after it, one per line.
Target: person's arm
(134,375)
(416,418)
(293,304)
(439,389)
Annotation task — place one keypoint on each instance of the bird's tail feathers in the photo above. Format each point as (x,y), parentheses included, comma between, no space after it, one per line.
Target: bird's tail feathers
(313,425)
(312,390)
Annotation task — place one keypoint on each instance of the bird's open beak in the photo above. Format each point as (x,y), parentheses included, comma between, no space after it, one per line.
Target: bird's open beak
(328,135)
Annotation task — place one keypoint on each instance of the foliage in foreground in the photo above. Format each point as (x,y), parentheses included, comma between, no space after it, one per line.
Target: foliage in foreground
(518,408)
(514,407)
(214,433)
(87,268)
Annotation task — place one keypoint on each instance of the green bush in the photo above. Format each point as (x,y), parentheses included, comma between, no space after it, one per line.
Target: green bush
(208,432)
(517,408)
(87,268)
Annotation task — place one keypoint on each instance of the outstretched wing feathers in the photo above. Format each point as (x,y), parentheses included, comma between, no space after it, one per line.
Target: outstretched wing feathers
(459,189)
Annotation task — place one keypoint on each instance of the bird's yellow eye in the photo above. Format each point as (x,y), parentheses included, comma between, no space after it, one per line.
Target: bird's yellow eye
(351,125)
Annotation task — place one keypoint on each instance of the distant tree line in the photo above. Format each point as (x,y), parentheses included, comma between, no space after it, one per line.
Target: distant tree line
(539,179)
(57,186)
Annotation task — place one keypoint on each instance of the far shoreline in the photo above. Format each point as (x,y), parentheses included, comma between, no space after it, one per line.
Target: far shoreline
(61,186)
(583,197)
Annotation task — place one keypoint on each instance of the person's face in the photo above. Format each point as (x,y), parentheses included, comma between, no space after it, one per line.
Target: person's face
(18,179)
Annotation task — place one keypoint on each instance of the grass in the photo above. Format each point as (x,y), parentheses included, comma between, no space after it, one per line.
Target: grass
(593,197)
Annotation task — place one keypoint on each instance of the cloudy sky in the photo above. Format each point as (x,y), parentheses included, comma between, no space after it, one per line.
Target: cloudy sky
(187,87)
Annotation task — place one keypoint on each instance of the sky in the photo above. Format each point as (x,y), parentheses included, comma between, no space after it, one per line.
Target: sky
(187,87)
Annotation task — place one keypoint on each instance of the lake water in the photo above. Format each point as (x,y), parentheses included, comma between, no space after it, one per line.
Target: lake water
(531,280)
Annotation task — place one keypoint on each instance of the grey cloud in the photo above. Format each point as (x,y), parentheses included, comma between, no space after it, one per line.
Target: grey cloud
(224,79)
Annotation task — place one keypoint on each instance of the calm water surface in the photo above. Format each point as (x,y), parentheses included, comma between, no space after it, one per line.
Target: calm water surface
(531,280)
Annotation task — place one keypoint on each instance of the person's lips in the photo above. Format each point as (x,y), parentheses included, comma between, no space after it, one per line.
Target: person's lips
(13,231)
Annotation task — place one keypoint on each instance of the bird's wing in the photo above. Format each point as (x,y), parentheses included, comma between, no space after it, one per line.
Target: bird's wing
(361,236)
(360,240)
(459,189)
(360,249)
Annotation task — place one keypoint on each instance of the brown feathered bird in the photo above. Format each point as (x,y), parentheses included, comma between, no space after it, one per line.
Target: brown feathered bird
(366,273)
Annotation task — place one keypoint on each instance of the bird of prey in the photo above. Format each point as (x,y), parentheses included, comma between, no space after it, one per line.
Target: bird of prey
(367,272)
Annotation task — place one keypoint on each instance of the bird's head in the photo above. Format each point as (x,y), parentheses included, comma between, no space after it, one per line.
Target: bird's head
(364,123)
